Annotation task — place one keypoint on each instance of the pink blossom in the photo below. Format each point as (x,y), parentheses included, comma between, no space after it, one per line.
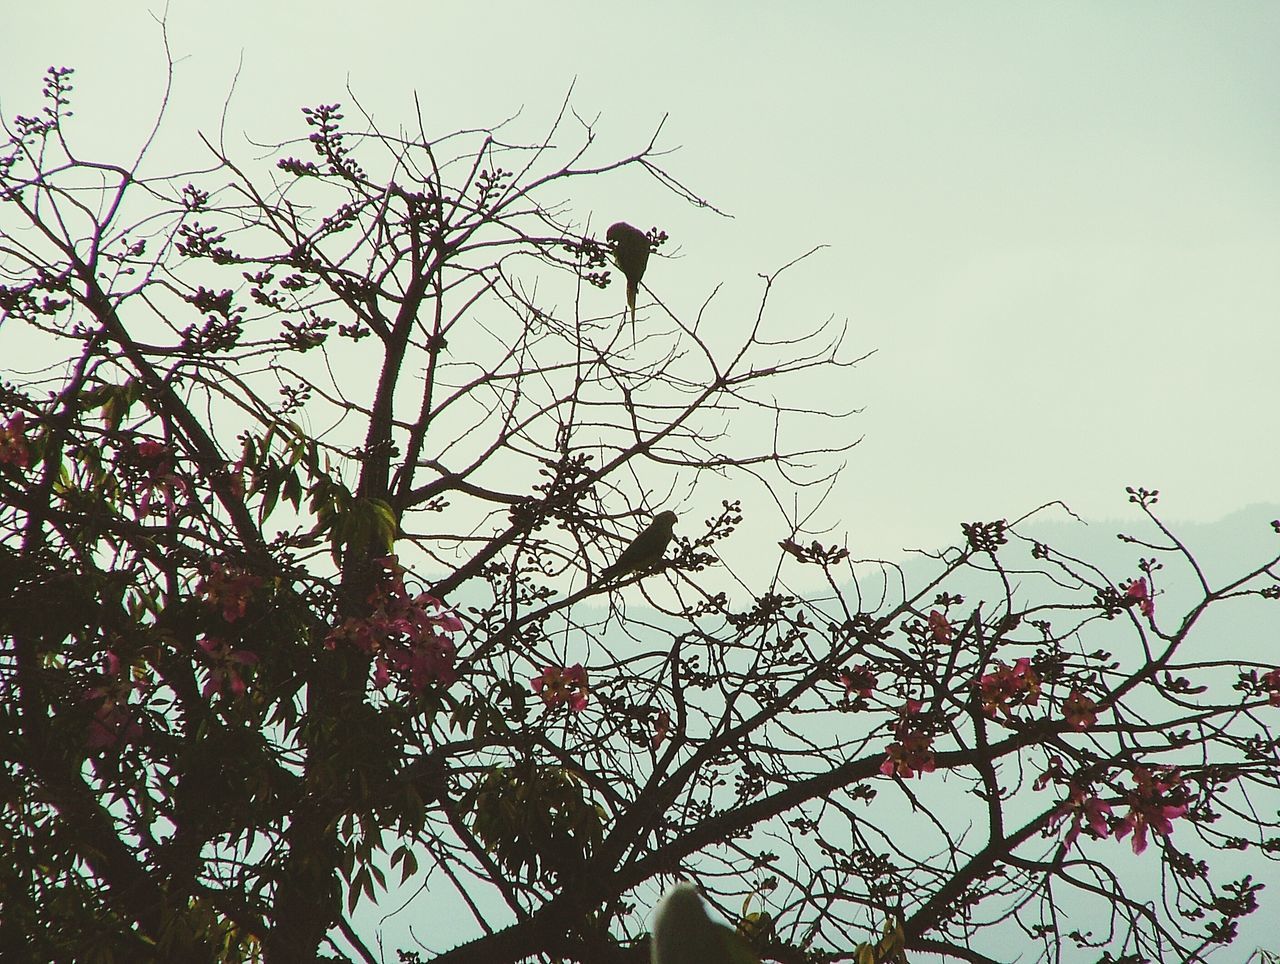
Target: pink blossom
(911,754)
(1054,773)
(1158,798)
(1084,808)
(1138,591)
(1086,812)
(114,723)
(14,449)
(156,462)
(235,477)
(859,679)
(939,628)
(1271,684)
(562,684)
(427,660)
(1008,686)
(228,588)
(661,727)
(1080,711)
(406,635)
(225,666)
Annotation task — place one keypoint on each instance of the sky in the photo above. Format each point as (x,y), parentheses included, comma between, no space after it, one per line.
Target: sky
(1055,226)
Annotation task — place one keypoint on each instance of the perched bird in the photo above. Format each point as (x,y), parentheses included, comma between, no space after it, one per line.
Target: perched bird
(631,255)
(684,934)
(646,549)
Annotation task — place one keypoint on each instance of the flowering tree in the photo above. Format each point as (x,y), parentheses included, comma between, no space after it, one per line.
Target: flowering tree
(302,524)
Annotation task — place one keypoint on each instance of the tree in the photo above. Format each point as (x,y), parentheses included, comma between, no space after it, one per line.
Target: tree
(304,522)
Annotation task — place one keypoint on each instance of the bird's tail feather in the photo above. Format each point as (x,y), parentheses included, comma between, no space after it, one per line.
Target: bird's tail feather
(633,288)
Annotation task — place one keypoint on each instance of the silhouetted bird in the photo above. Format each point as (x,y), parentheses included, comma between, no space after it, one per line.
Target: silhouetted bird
(684,934)
(646,550)
(631,254)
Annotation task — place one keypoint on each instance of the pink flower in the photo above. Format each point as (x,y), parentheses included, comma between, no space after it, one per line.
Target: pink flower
(381,672)
(229,588)
(1080,711)
(1271,683)
(1008,686)
(1157,799)
(425,661)
(858,679)
(910,756)
(114,723)
(156,463)
(661,727)
(1086,812)
(1138,591)
(939,628)
(111,726)
(562,684)
(444,619)
(912,753)
(235,477)
(1053,774)
(405,635)
(13,441)
(225,665)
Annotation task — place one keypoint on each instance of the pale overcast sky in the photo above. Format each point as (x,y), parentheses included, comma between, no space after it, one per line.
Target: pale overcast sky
(1057,224)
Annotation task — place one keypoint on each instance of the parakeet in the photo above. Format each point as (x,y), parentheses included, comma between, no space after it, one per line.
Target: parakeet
(631,255)
(684,934)
(646,549)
